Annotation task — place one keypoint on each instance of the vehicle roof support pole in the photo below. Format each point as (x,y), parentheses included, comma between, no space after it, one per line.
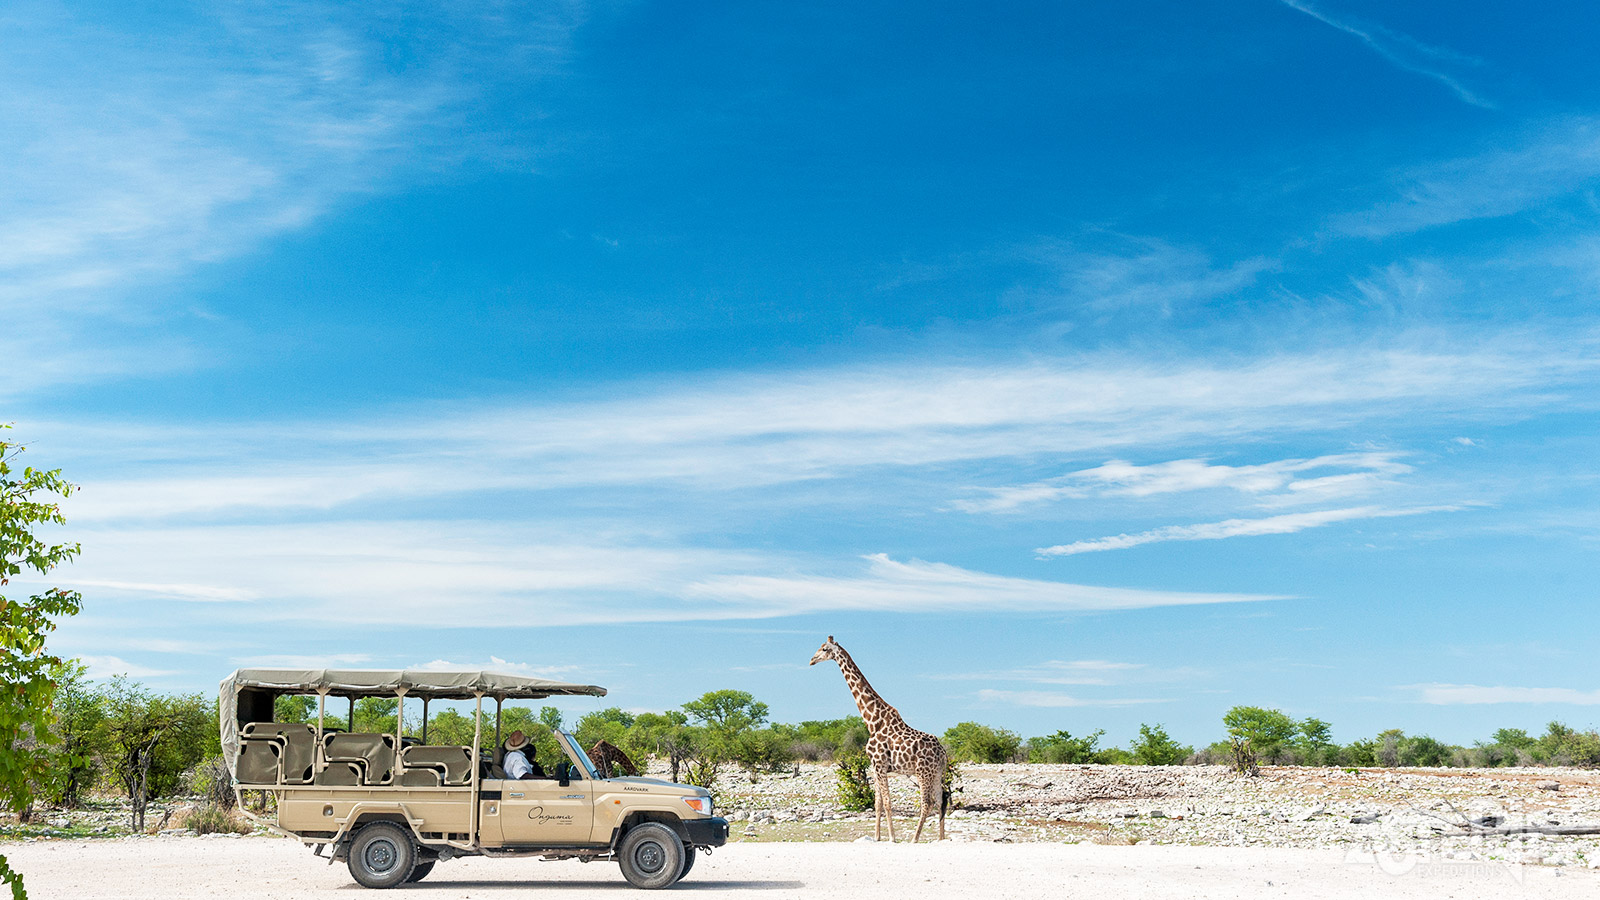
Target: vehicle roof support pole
(322,709)
(477,769)
(399,720)
(351,725)
(497,702)
(424,720)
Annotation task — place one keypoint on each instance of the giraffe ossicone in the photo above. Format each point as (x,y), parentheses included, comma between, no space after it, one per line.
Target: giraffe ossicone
(893,746)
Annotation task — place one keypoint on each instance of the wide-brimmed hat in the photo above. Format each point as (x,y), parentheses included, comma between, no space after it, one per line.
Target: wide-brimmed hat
(516,743)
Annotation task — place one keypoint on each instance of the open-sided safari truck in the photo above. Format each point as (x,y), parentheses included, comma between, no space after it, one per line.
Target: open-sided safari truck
(393,806)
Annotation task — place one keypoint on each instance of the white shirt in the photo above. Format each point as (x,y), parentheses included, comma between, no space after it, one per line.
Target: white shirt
(516,764)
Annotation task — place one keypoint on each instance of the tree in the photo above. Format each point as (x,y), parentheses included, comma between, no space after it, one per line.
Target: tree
(28,500)
(550,717)
(79,712)
(728,714)
(971,742)
(1315,742)
(1155,748)
(1062,747)
(1255,734)
(151,739)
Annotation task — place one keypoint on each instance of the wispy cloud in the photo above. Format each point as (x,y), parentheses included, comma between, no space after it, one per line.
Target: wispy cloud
(132,155)
(102,667)
(738,432)
(1151,276)
(467,574)
(1053,699)
(1056,671)
(1277,481)
(1400,50)
(1216,531)
(1561,160)
(1470,694)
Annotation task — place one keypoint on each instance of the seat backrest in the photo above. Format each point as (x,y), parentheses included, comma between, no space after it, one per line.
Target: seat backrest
(258,761)
(340,773)
(376,750)
(300,746)
(455,761)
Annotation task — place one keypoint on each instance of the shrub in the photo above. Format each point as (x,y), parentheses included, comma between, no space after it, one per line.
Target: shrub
(971,742)
(765,750)
(213,819)
(211,780)
(855,788)
(1062,747)
(1265,733)
(1155,748)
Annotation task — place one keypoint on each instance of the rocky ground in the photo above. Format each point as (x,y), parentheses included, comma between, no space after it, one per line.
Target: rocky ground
(1412,814)
(1407,812)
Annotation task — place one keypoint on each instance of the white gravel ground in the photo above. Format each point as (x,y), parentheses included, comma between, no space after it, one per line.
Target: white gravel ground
(180,868)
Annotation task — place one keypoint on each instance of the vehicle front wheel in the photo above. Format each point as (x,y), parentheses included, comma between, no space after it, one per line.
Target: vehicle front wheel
(382,855)
(651,856)
(688,860)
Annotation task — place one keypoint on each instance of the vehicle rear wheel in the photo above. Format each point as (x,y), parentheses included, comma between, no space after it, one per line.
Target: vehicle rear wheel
(422,870)
(651,856)
(382,855)
(688,860)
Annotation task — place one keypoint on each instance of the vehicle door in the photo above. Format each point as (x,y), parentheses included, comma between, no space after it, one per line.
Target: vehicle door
(546,812)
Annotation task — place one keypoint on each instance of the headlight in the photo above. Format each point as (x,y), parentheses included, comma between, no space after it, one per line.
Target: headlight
(701,805)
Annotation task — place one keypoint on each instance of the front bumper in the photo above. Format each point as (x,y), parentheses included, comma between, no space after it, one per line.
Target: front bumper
(708,832)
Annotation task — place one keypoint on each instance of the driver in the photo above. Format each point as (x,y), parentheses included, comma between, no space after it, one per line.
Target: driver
(517,763)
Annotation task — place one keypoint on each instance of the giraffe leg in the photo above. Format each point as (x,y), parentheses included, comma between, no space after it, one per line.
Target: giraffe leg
(888,806)
(877,811)
(930,799)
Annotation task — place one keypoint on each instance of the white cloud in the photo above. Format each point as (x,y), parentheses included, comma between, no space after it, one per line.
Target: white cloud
(200,593)
(918,586)
(474,574)
(1214,531)
(137,150)
(1154,276)
(1057,671)
(747,431)
(1562,160)
(303,661)
(1469,694)
(1052,699)
(1403,52)
(1279,480)
(102,667)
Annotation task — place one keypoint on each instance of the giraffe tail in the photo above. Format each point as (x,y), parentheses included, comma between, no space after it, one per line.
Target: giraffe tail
(944,802)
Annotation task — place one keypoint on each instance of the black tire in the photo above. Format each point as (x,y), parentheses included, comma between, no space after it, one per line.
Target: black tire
(651,856)
(421,871)
(688,860)
(382,855)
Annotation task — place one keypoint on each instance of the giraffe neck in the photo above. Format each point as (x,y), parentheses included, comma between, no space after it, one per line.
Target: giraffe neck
(874,710)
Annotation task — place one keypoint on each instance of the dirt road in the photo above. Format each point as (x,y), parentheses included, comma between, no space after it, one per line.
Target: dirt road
(183,868)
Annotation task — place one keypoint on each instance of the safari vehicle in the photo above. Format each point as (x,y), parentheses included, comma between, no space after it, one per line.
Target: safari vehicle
(393,806)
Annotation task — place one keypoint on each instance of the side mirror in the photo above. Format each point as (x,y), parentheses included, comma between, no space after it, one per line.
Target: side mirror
(562,775)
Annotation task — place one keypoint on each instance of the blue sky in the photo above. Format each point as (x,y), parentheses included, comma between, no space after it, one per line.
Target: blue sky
(1076,365)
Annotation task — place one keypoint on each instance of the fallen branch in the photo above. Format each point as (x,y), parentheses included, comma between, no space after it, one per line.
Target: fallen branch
(1530,829)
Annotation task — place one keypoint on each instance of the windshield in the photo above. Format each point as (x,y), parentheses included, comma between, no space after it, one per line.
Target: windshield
(582,757)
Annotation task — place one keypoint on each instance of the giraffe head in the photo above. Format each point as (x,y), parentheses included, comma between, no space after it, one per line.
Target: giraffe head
(828,650)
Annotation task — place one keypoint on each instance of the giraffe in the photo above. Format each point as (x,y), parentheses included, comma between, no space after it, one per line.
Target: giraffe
(605,755)
(893,746)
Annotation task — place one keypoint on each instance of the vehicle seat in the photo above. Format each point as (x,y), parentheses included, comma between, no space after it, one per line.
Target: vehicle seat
(454,763)
(339,773)
(374,751)
(299,747)
(258,761)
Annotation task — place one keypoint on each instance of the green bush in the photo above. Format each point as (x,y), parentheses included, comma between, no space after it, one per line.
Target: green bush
(213,819)
(971,742)
(1155,748)
(764,750)
(855,788)
(1062,747)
